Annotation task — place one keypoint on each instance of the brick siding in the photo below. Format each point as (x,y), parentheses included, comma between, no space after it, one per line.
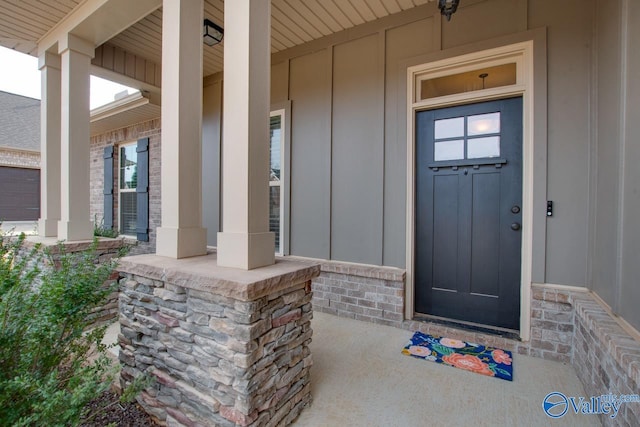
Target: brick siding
(567,325)
(606,359)
(129,134)
(19,158)
(372,294)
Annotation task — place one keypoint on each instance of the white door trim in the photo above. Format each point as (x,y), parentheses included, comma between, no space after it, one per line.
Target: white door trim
(522,54)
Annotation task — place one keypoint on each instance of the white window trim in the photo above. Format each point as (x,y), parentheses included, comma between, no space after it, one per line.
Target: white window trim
(123,190)
(283,110)
(522,54)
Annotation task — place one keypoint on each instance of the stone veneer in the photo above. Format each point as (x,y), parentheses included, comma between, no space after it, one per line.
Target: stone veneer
(227,347)
(568,325)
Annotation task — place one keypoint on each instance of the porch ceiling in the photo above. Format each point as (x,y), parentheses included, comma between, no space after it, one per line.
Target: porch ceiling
(24,22)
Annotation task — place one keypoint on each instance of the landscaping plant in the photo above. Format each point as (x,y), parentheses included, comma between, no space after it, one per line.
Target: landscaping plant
(99,229)
(51,363)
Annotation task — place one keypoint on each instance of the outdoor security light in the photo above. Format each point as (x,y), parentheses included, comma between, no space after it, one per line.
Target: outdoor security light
(212,34)
(448,7)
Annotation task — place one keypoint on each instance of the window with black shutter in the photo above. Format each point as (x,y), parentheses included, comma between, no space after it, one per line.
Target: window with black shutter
(133,189)
(107,221)
(142,190)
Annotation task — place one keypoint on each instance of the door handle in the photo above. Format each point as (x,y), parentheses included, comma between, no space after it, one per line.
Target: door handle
(515,226)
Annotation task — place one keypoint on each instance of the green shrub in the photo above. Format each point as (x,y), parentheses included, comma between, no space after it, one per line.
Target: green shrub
(46,375)
(99,230)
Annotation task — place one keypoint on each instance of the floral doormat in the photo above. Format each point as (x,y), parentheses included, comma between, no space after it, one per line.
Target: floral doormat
(480,359)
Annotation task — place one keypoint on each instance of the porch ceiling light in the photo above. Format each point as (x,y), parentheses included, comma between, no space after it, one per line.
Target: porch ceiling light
(213,33)
(448,7)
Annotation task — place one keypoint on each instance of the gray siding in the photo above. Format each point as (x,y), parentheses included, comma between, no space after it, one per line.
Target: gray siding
(348,140)
(310,92)
(357,165)
(423,39)
(280,82)
(608,151)
(616,241)
(211,136)
(569,73)
(630,289)
(348,145)
(483,20)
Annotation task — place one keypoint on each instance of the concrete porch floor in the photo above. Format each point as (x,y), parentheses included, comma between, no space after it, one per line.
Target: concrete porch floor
(360,378)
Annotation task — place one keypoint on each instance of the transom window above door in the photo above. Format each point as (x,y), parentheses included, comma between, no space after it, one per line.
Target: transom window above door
(468,81)
(467,137)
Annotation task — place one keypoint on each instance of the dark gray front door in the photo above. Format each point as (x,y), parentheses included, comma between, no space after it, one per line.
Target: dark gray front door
(468,212)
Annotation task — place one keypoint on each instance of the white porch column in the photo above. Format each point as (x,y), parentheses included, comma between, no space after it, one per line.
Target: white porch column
(181,234)
(75,223)
(49,66)
(245,241)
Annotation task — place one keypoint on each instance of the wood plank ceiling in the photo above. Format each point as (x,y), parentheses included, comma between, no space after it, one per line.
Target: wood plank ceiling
(24,22)
(293,22)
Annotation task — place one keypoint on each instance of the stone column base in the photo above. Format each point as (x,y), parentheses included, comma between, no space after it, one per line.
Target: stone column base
(227,347)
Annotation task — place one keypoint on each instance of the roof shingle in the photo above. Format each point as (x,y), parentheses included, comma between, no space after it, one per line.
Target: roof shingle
(19,122)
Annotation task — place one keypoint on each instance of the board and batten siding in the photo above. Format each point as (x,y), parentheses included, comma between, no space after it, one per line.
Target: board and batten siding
(348,136)
(357,163)
(629,294)
(211,137)
(615,238)
(348,130)
(310,92)
(423,39)
(348,171)
(568,150)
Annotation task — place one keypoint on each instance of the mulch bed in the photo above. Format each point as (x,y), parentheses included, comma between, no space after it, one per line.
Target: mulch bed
(117,414)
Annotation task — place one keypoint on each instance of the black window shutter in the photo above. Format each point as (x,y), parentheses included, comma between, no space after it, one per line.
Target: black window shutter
(107,220)
(142,190)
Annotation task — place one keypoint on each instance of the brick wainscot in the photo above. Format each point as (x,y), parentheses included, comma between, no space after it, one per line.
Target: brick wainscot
(227,347)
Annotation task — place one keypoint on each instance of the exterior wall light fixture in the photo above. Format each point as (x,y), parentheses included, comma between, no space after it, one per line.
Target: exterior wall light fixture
(448,7)
(213,33)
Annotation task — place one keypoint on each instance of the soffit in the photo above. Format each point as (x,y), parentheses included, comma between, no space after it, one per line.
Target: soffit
(24,22)
(122,113)
(293,22)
